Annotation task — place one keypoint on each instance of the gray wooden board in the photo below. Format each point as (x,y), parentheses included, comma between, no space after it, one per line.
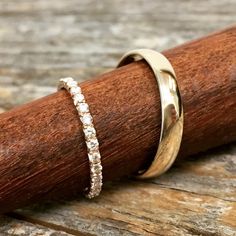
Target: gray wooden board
(10,226)
(41,41)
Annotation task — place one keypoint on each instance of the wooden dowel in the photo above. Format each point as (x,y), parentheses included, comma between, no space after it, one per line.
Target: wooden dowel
(42,149)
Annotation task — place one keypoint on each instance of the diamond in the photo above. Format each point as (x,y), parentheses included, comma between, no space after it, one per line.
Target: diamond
(98,174)
(92,144)
(94,157)
(83,107)
(89,132)
(96,179)
(90,195)
(75,90)
(96,187)
(96,168)
(93,193)
(78,98)
(72,84)
(86,119)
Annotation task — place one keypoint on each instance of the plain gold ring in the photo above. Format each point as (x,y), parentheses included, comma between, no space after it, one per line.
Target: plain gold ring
(171,109)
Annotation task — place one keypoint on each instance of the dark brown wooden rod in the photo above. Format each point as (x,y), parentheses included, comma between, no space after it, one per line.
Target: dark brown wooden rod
(42,149)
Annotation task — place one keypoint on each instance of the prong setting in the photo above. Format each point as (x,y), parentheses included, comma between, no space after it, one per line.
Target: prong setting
(92,143)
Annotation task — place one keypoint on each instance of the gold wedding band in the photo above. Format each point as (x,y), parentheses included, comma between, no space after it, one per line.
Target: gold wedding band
(171,109)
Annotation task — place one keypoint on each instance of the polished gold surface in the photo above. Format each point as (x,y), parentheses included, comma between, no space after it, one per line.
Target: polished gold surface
(171,108)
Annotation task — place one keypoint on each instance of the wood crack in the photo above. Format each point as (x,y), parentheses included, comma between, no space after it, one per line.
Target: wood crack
(52,226)
(191,192)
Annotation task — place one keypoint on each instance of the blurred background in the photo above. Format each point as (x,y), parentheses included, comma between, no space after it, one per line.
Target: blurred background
(41,40)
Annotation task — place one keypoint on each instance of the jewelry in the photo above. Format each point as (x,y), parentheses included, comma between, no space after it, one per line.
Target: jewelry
(171,108)
(90,135)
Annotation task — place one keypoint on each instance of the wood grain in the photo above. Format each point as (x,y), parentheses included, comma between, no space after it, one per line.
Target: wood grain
(184,201)
(19,227)
(45,40)
(43,154)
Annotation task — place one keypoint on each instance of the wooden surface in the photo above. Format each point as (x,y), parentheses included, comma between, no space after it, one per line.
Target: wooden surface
(43,41)
(53,163)
(194,198)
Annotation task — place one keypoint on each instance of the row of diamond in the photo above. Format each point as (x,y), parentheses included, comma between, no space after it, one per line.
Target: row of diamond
(90,135)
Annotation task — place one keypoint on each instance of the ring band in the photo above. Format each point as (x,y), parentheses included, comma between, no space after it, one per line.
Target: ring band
(90,135)
(171,109)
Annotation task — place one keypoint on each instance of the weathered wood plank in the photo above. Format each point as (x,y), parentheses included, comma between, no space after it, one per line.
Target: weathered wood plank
(44,40)
(213,174)
(9,227)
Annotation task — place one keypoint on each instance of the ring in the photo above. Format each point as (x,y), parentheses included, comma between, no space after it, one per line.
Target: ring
(90,135)
(171,109)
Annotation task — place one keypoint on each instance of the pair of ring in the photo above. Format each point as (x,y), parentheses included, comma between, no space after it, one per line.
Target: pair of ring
(171,122)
